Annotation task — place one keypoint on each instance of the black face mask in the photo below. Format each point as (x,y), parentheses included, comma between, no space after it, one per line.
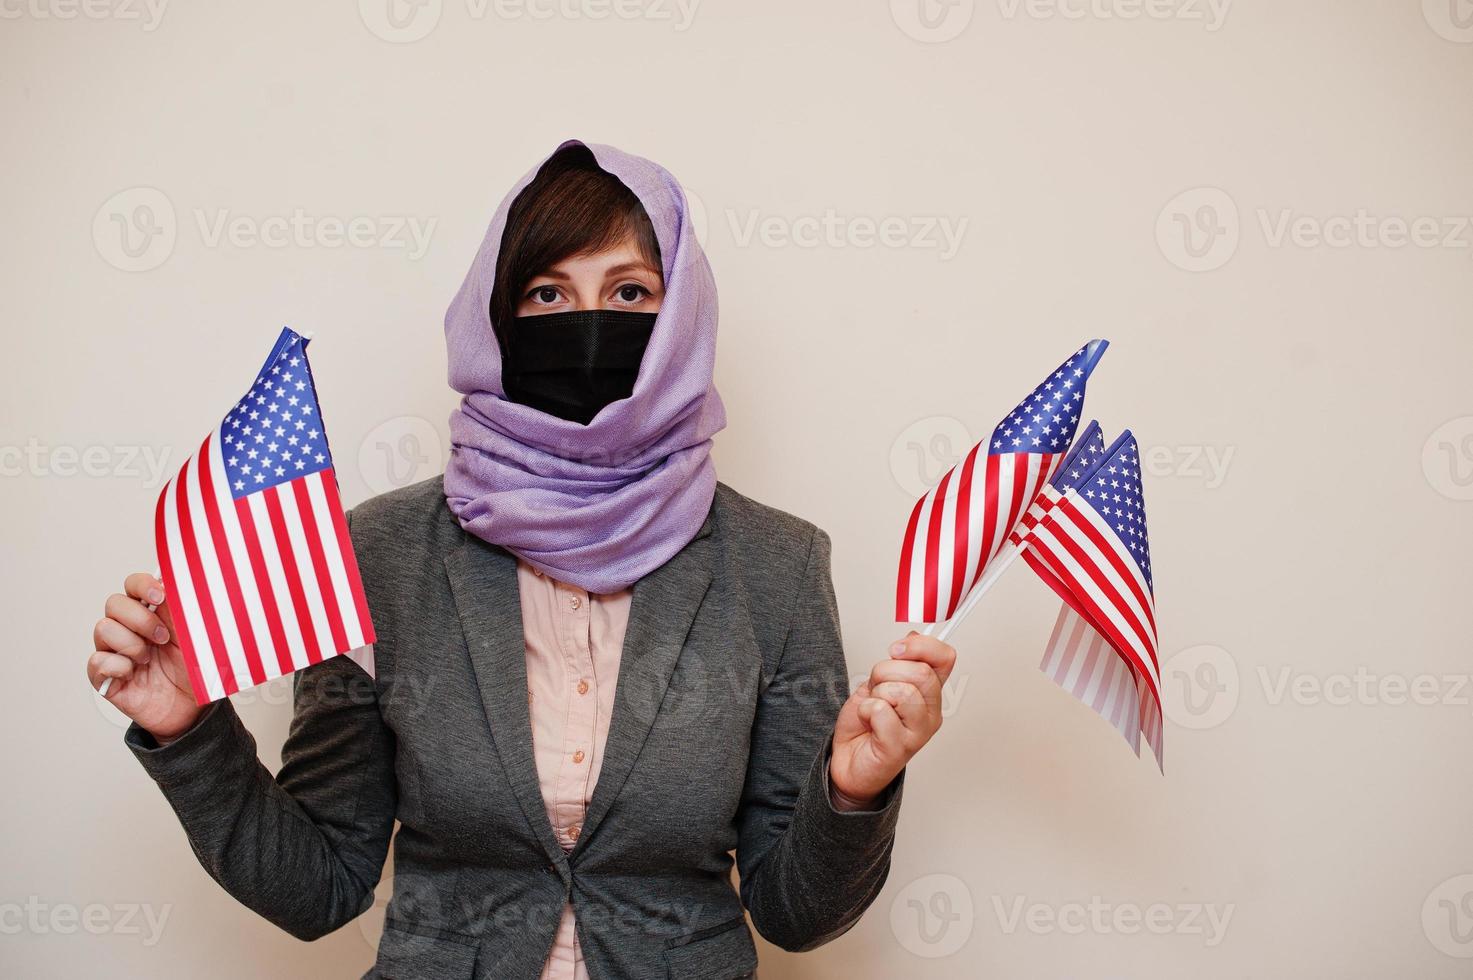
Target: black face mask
(573,364)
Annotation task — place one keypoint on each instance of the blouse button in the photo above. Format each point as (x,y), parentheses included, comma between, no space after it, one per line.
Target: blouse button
(574,602)
(582,687)
(578,756)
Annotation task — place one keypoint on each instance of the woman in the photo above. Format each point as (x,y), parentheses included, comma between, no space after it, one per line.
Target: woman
(598,671)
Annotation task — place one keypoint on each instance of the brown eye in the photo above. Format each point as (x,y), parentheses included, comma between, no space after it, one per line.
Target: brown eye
(545,294)
(631,293)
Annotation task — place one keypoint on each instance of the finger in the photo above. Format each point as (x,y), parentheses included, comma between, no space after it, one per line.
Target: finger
(144,588)
(102,665)
(908,672)
(136,617)
(886,726)
(909,703)
(941,657)
(110,636)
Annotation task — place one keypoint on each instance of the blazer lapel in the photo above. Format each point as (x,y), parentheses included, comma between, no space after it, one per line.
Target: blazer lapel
(483,580)
(661,612)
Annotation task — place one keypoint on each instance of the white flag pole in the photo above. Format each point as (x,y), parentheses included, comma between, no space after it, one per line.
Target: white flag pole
(1005,558)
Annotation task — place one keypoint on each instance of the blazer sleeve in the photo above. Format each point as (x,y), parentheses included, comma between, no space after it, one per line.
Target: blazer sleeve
(808,870)
(305,848)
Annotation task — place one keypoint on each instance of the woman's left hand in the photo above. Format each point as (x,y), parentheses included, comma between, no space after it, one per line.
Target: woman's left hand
(890,716)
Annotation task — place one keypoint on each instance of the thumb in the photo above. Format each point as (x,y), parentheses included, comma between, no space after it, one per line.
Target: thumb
(852,721)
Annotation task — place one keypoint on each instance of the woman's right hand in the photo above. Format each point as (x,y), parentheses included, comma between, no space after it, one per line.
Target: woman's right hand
(137,649)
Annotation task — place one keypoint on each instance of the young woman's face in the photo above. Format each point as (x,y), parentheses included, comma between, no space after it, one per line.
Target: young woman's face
(617,278)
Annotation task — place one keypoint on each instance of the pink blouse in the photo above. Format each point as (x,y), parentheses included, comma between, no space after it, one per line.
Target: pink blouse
(574,641)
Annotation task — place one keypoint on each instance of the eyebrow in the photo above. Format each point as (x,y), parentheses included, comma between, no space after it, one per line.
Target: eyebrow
(632,267)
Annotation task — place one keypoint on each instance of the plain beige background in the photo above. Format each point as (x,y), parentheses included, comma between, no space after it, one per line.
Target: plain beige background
(914,209)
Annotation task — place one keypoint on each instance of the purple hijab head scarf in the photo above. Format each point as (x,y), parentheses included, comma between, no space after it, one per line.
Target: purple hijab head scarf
(597,505)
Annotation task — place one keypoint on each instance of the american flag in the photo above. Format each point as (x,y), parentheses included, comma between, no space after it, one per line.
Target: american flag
(1087,453)
(252,541)
(963,522)
(1086,537)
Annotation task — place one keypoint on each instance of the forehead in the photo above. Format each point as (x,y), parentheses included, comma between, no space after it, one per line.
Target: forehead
(623,256)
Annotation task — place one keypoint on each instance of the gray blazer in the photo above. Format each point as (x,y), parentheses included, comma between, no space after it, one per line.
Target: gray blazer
(731,677)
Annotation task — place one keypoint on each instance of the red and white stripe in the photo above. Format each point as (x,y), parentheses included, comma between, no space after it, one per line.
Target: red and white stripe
(1081,661)
(1078,555)
(961,525)
(261,586)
